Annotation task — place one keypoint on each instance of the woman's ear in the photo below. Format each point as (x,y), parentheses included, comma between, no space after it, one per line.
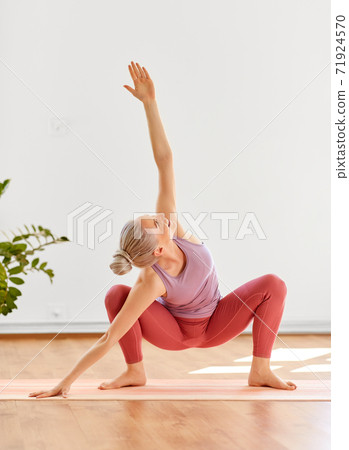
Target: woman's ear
(158,251)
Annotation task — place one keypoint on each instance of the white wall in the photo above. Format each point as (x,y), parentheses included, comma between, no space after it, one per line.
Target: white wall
(222,71)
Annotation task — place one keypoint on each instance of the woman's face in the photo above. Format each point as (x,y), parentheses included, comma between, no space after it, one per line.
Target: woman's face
(159,225)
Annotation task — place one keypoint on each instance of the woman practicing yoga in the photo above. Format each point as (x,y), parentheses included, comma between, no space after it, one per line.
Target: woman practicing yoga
(175,302)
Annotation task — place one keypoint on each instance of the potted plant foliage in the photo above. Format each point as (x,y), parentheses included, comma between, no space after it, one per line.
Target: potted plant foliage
(17,259)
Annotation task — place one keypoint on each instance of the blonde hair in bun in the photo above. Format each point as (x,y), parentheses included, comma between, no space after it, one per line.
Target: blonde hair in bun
(134,251)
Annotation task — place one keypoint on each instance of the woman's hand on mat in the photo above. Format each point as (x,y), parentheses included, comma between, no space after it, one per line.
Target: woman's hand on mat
(144,87)
(61,388)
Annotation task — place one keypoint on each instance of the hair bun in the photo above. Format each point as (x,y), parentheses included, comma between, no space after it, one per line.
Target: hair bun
(125,255)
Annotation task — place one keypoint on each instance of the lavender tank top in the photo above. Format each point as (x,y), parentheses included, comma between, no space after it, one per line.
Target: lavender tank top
(194,292)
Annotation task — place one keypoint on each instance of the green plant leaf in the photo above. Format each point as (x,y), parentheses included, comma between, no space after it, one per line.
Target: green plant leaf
(14,291)
(3,274)
(35,261)
(15,270)
(21,258)
(21,247)
(3,186)
(11,303)
(4,310)
(43,265)
(16,280)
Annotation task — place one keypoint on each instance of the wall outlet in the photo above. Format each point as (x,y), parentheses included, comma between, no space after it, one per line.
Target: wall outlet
(56,311)
(57,127)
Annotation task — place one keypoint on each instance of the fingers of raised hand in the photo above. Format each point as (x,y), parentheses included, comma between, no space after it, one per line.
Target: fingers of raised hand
(141,71)
(137,71)
(146,73)
(133,76)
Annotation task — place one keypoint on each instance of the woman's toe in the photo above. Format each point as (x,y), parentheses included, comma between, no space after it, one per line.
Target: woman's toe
(292,385)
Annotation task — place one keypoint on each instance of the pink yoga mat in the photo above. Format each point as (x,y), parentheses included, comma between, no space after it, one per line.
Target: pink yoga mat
(167,389)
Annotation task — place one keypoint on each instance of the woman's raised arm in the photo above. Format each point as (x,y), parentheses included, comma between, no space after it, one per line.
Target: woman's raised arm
(145,92)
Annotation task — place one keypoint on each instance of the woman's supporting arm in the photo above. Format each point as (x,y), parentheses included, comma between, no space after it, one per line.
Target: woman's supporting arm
(96,352)
(161,148)
(142,295)
(99,349)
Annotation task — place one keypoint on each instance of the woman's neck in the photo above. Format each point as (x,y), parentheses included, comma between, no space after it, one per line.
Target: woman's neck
(172,256)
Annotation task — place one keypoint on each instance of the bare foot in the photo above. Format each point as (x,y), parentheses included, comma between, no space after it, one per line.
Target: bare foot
(128,378)
(268,378)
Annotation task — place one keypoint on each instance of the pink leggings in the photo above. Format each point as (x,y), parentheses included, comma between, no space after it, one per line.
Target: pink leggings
(262,298)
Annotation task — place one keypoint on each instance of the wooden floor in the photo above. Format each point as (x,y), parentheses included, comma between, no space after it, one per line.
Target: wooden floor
(161,425)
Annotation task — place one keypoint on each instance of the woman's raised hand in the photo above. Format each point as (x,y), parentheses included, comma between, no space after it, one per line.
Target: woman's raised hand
(144,87)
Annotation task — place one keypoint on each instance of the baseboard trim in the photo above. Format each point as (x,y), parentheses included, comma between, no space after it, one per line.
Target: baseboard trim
(287,327)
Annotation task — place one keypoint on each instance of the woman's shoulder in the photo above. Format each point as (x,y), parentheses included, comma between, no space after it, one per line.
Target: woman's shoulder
(180,233)
(192,240)
(149,276)
(148,273)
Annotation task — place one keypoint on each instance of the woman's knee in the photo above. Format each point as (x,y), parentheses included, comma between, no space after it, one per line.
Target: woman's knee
(276,282)
(116,296)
